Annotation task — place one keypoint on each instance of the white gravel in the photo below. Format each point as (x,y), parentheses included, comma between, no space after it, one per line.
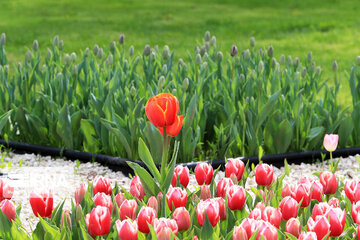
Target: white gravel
(63,177)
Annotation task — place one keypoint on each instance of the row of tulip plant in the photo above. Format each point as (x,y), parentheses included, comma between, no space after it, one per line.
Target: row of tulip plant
(163,206)
(235,102)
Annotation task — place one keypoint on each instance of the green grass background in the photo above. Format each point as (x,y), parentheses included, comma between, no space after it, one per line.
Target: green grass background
(330,29)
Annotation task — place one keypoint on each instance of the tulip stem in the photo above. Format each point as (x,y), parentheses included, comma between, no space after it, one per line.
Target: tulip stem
(331,162)
(164,155)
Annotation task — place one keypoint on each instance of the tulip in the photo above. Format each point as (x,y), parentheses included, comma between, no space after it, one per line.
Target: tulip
(78,213)
(272,215)
(288,208)
(79,194)
(293,227)
(42,203)
(222,208)
(308,236)
(212,211)
(8,209)
(249,225)
(98,222)
(127,230)
(174,129)
(163,228)
(182,218)
(337,218)
(195,237)
(119,199)
(358,227)
(329,182)
(153,203)
(320,226)
(65,216)
(102,184)
(6,191)
(266,231)
(233,50)
(205,192)
(136,188)
(222,187)
(236,196)
(146,216)
(162,110)
(234,166)
(316,191)
(176,197)
(204,173)
(255,214)
(302,192)
(355,212)
(320,209)
(128,209)
(288,190)
(264,174)
(101,199)
(239,233)
(352,190)
(330,142)
(183,174)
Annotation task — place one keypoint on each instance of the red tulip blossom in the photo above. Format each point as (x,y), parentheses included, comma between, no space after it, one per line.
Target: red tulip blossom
(236,196)
(101,199)
(136,188)
(308,236)
(329,182)
(182,218)
(320,226)
(183,174)
(80,193)
(8,209)
(98,222)
(128,209)
(352,190)
(153,203)
(211,207)
(222,187)
(6,191)
(293,227)
(42,203)
(127,229)
(146,216)
(234,167)
(272,215)
(239,233)
(176,197)
(264,174)
(101,184)
(163,228)
(289,208)
(204,173)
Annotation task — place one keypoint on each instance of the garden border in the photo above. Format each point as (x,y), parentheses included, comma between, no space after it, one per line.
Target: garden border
(119,164)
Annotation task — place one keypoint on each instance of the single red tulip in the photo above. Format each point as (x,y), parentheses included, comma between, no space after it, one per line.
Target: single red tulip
(128,209)
(264,174)
(308,236)
(320,209)
(236,196)
(205,192)
(320,226)
(65,217)
(79,193)
(249,225)
(330,142)
(182,218)
(102,184)
(288,190)
(234,166)
(222,187)
(183,174)
(289,208)
(222,208)
(163,226)
(212,211)
(6,191)
(174,129)
(146,215)
(162,110)
(42,203)
(355,212)
(101,199)
(119,199)
(272,215)
(302,192)
(337,218)
(8,209)
(329,182)
(98,222)
(293,227)
(176,197)
(266,231)
(127,230)
(239,233)
(136,188)
(256,214)
(317,191)
(204,173)
(352,190)
(153,203)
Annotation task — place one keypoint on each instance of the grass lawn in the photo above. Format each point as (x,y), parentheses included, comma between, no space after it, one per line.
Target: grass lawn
(330,29)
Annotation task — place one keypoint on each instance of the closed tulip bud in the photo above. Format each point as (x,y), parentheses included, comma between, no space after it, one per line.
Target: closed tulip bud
(302,192)
(185,84)
(270,51)
(101,199)
(181,62)
(61,45)
(67,59)
(128,209)
(35,45)
(147,50)
(42,203)
(260,67)
(28,56)
(163,228)
(261,53)
(164,68)
(308,236)
(358,60)
(252,42)
(56,41)
(239,233)
(205,192)
(329,182)
(211,207)
(78,213)
(127,230)
(65,216)
(207,47)
(223,186)
(112,47)
(161,82)
(309,56)
(74,71)
(266,231)
(146,216)
(207,36)
(73,57)
(176,197)
(86,52)
(337,218)
(272,215)
(352,190)
(293,227)
(80,193)
(334,66)
(204,173)
(233,51)
(6,190)
(330,142)
(133,91)
(220,56)
(202,50)
(100,53)
(204,66)
(2,39)
(7,207)
(317,70)
(264,174)
(153,203)
(289,208)
(320,226)
(234,166)
(166,52)
(236,196)
(198,59)
(196,50)
(246,54)
(136,188)
(213,42)
(98,222)
(131,50)
(182,218)
(109,60)
(122,38)
(355,212)
(95,49)
(152,56)
(101,184)
(303,72)
(59,76)
(181,172)
(119,199)
(282,59)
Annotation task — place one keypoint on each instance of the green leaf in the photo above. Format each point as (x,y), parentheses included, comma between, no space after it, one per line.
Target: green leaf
(4,119)
(63,127)
(207,229)
(170,169)
(145,156)
(345,130)
(89,132)
(54,232)
(150,186)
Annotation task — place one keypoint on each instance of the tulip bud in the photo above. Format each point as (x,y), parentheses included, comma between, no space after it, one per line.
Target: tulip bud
(176,197)
(164,68)
(112,47)
(147,50)
(270,51)
(166,53)
(213,42)
(181,62)
(264,174)
(100,53)
(329,182)
(136,188)
(204,173)
(153,203)
(198,59)
(204,66)
(122,38)
(161,82)
(133,91)
(61,45)
(239,233)
(207,36)
(80,193)
(65,216)
(309,56)
(42,203)
(35,45)
(197,50)
(260,67)
(182,218)
(233,51)
(205,192)
(73,57)
(317,70)
(246,54)
(185,84)
(95,49)
(28,56)
(308,236)
(128,209)
(219,56)
(282,59)
(252,42)
(152,56)
(2,39)
(319,225)
(293,227)
(101,184)
(211,207)
(74,71)
(127,229)
(101,199)
(303,72)
(236,196)
(78,213)
(56,41)
(131,50)
(86,52)
(335,66)
(202,50)
(358,60)
(223,186)
(146,216)
(6,190)
(7,207)
(330,142)
(67,59)
(98,222)
(109,60)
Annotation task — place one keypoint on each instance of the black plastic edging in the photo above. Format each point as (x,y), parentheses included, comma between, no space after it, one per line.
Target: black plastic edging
(119,164)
